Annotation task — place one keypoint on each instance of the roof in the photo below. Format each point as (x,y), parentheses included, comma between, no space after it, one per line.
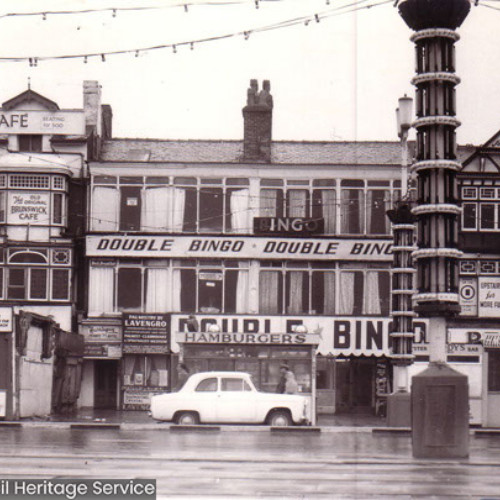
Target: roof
(282,152)
(29,96)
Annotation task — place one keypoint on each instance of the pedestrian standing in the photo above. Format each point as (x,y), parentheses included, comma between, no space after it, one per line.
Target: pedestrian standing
(280,388)
(291,386)
(183,373)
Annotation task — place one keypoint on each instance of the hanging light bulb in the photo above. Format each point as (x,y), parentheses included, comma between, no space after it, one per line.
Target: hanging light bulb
(85,60)
(246,34)
(316,16)
(306,22)
(256,4)
(191,45)
(174,48)
(44,16)
(114,12)
(136,53)
(103,58)
(186,7)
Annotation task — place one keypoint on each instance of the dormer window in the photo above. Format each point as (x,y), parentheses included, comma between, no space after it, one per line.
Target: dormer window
(30,143)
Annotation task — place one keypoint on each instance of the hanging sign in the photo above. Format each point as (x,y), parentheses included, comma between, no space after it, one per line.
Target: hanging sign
(489,297)
(146,333)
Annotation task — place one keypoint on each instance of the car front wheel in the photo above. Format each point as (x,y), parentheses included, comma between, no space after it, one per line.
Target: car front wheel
(279,418)
(187,418)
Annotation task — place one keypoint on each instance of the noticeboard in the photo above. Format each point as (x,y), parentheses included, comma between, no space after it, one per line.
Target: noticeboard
(146,333)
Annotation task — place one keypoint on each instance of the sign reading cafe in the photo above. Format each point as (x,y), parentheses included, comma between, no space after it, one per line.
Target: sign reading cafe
(238,247)
(70,122)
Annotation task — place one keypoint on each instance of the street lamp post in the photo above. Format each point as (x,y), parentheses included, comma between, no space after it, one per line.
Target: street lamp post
(403,229)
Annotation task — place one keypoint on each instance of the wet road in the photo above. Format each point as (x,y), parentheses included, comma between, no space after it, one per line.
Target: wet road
(253,464)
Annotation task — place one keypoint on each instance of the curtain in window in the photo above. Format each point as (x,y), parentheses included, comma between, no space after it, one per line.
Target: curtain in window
(179,206)
(268,292)
(156,209)
(378,202)
(329,209)
(329,294)
(242,291)
(268,202)
(372,300)
(347,293)
(296,284)
(297,203)
(239,211)
(352,211)
(101,290)
(104,213)
(157,290)
(176,290)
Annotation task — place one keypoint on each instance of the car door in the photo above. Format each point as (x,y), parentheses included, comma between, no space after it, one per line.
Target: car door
(205,399)
(236,401)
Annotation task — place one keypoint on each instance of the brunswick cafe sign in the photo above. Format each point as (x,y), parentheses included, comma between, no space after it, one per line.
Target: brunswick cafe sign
(243,247)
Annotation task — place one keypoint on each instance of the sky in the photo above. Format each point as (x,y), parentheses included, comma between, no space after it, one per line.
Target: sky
(338,79)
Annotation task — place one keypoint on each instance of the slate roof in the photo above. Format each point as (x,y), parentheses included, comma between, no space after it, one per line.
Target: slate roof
(282,152)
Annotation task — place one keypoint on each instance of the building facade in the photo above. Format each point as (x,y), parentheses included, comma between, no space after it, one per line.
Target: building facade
(43,152)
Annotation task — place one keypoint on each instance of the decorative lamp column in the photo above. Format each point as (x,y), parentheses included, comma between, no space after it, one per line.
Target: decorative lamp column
(439,394)
(403,230)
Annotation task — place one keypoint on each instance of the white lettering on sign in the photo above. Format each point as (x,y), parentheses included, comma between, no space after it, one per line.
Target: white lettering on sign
(247,247)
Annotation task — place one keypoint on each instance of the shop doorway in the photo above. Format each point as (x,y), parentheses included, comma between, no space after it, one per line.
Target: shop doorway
(105,384)
(355,385)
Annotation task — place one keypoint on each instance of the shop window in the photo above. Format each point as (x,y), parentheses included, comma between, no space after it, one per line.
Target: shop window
(129,289)
(145,370)
(207,385)
(30,143)
(493,371)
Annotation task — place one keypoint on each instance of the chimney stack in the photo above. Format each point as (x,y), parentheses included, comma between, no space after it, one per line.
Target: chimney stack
(257,123)
(92,105)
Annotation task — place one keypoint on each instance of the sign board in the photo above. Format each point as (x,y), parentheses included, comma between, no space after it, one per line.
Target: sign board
(456,350)
(146,333)
(467,295)
(291,226)
(139,399)
(491,340)
(489,297)
(101,333)
(335,336)
(69,122)
(246,247)
(25,207)
(5,319)
(102,351)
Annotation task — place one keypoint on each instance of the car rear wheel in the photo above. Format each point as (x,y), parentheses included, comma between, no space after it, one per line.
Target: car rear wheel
(187,418)
(279,418)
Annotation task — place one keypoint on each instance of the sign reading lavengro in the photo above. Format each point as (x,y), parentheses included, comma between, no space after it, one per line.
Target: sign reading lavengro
(146,333)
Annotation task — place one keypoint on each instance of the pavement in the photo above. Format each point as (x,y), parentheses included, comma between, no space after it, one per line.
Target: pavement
(141,420)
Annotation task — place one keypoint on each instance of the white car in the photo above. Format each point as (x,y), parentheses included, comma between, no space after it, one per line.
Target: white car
(228,397)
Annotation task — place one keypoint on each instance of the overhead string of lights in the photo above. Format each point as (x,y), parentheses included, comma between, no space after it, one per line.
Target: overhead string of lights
(114,10)
(305,20)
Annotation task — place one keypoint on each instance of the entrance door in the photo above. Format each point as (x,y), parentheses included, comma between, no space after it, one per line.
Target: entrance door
(105,384)
(354,385)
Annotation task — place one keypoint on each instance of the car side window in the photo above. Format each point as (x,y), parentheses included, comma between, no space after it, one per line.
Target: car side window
(234,384)
(207,385)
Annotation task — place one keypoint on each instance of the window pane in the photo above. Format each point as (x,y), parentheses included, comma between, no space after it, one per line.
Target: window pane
(493,371)
(57,209)
(297,294)
(130,208)
(16,285)
(207,385)
(129,288)
(470,214)
(38,284)
(210,291)
(352,211)
(190,210)
(31,143)
(270,292)
(188,290)
(487,216)
(60,284)
(232,384)
(2,206)
(1,282)
(211,209)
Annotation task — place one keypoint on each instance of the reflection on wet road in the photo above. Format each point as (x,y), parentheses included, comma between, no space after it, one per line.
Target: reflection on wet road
(253,464)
